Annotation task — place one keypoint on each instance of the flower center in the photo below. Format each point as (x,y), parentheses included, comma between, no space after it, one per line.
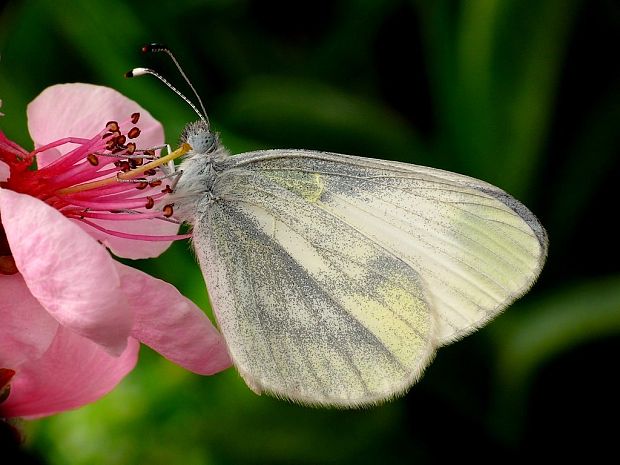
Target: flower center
(103,178)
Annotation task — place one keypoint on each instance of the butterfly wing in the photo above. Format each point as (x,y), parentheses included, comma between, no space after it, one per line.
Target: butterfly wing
(334,278)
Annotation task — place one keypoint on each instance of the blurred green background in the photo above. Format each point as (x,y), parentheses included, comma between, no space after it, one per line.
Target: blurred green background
(524,94)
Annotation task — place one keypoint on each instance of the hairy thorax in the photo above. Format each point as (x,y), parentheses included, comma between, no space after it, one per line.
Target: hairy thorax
(200,170)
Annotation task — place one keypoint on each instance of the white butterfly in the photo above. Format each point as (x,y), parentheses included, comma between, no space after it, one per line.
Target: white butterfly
(334,278)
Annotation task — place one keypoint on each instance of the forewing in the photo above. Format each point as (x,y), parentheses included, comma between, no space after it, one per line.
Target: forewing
(475,247)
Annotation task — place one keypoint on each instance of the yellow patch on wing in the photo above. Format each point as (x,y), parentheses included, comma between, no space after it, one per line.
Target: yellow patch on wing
(394,313)
(309,186)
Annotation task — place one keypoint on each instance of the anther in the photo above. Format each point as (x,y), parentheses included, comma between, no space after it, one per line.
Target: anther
(151,172)
(131,148)
(135,117)
(93,159)
(168,211)
(150,153)
(150,203)
(155,183)
(120,140)
(167,190)
(142,185)
(112,126)
(133,132)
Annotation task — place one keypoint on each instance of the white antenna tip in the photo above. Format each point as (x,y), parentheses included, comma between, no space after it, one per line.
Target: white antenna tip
(137,72)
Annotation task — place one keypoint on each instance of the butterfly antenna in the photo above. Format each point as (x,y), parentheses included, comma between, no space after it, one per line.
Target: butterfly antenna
(154,47)
(142,71)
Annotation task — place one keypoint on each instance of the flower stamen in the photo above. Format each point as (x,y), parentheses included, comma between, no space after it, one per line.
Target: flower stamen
(129,174)
(99,179)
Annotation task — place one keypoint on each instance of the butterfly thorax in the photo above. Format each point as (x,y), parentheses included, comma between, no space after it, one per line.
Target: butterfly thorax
(200,168)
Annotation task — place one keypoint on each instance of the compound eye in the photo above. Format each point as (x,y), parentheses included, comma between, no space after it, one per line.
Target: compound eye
(198,135)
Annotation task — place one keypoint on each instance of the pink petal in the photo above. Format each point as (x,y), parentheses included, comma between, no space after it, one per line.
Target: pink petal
(82,110)
(134,249)
(73,372)
(27,330)
(172,324)
(68,272)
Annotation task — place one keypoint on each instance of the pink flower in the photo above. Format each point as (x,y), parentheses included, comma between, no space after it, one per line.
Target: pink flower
(71,315)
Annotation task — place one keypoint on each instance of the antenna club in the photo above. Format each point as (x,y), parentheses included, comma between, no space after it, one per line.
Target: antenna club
(154,47)
(137,72)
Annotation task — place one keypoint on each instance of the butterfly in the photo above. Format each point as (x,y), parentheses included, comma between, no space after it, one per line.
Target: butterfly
(335,278)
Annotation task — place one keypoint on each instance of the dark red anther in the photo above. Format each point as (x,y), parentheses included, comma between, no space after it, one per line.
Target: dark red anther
(150,153)
(168,211)
(167,190)
(135,117)
(117,163)
(120,141)
(112,126)
(133,132)
(142,185)
(131,148)
(109,145)
(125,166)
(151,172)
(155,183)
(93,159)
(150,203)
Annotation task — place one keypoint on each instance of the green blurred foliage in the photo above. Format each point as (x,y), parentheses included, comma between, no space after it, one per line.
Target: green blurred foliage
(522,94)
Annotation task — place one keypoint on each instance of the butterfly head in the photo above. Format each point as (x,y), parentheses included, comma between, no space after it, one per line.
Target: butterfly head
(199,137)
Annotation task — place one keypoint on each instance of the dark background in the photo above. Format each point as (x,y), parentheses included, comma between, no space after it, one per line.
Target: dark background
(523,94)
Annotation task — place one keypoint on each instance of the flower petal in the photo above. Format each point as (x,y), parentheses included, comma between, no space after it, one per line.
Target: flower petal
(27,330)
(74,371)
(172,324)
(69,273)
(82,110)
(130,248)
